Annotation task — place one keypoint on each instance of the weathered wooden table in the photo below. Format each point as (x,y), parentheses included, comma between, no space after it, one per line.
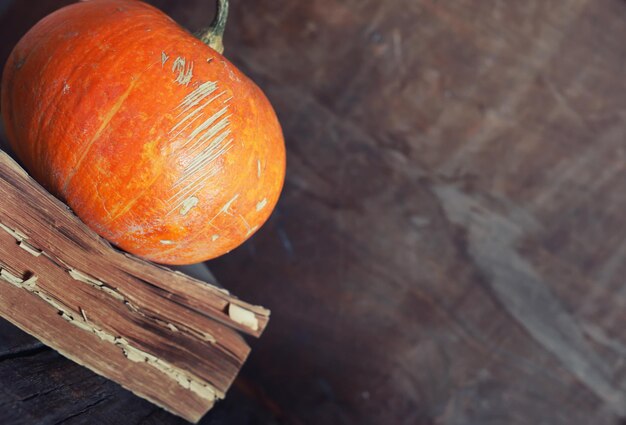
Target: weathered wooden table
(451,243)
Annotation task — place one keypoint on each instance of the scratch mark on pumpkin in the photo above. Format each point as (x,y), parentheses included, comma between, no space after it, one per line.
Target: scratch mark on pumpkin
(198,180)
(105,123)
(196,96)
(214,149)
(66,87)
(164,58)
(245,222)
(258,168)
(229,69)
(261,204)
(188,204)
(195,114)
(224,210)
(207,127)
(215,237)
(228,204)
(166,242)
(185,72)
(205,144)
(192,178)
(252,230)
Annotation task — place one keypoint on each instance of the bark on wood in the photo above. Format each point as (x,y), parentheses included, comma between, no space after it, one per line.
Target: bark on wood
(165,336)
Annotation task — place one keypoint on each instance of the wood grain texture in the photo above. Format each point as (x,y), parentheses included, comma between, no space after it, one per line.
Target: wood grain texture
(155,331)
(452,216)
(45,388)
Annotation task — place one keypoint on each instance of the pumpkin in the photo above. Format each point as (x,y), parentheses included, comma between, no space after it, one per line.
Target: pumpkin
(152,137)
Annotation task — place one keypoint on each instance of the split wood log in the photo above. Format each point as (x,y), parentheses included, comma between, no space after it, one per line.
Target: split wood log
(163,335)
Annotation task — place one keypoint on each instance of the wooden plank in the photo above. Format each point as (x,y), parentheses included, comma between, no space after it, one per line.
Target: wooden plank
(162,334)
(43,387)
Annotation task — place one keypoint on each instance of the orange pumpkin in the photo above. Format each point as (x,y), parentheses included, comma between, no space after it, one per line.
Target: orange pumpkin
(153,138)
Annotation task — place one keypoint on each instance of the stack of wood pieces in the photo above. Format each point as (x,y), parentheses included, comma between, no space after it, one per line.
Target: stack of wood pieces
(163,335)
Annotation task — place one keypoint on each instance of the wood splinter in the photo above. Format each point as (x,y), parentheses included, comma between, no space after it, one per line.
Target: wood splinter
(163,335)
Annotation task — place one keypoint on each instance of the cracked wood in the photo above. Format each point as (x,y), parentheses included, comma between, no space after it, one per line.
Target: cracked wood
(165,336)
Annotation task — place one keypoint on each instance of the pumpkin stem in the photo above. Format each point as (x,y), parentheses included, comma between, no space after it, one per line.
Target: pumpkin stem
(214,34)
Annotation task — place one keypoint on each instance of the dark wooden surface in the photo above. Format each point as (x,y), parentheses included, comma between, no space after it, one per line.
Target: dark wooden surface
(450,247)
